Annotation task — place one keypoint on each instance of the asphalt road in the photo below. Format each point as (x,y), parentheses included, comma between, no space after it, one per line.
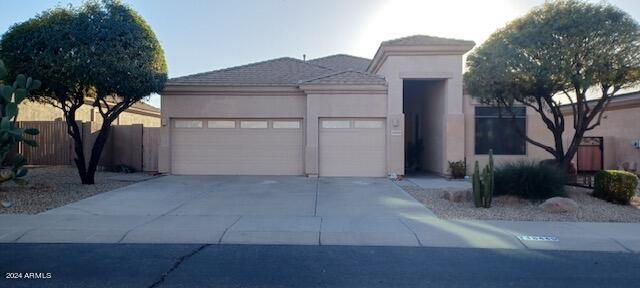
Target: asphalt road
(98,265)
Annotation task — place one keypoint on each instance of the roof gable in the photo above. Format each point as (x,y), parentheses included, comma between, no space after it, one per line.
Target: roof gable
(342,62)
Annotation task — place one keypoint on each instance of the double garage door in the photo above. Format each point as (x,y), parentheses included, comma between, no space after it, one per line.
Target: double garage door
(237,147)
(348,147)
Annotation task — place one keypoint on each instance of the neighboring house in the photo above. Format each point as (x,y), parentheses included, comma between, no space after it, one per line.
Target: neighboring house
(139,113)
(338,115)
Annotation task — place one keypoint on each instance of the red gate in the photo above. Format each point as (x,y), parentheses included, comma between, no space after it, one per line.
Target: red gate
(589,158)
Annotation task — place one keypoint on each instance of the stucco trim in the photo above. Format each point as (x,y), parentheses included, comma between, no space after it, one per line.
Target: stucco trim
(425,76)
(343,89)
(613,105)
(202,90)
(385,51)
(143,112)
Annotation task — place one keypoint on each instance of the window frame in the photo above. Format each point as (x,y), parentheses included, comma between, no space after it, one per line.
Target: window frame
(298,124)
(266,122)
(176,126)
(349,124)
(221,120)
(505,116)
(355,125)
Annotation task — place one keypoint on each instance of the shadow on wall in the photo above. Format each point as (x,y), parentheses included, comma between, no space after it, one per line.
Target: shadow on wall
(423,107)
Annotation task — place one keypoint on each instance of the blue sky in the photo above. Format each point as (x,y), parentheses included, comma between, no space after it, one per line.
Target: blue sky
(204,35)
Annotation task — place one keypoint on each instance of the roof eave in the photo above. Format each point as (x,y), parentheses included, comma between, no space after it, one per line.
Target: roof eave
(343,88)
(630,100)
(231,89)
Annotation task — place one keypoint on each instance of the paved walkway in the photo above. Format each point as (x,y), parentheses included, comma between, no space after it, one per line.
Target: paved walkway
(434,182)
(292,210)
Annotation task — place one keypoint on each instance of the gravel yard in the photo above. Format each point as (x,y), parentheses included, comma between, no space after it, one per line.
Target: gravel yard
(511,208)
(54,186)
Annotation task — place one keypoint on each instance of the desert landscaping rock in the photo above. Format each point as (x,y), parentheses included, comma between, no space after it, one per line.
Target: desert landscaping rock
(590,209)
(458,195)
(559,205)
(54,186)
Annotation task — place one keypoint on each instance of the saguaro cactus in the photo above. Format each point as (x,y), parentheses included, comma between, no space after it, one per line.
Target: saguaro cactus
(483,184)
(477,186)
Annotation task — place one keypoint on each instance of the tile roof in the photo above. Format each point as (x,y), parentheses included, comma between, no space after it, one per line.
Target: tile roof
(419,40)
(275,72)
(342,62)
(286,71)
(347,77)
(146,107)
(140,105)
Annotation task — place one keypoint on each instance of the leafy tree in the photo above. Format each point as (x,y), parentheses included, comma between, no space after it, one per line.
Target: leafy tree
(101,52)
(561,52)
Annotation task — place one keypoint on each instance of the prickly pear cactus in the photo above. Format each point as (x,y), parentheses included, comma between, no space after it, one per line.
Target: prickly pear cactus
(10,135)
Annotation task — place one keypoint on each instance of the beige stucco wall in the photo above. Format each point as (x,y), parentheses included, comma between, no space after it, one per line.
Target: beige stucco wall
(354,104)
(535,129)
(34,111)
(198,103)
(127,118)
(322,101)
(620,126)
(617,128)
(448,68)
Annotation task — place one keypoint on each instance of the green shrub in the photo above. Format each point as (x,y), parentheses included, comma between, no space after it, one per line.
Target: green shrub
(615,186)
(122,168)
(529,180)
(458,169)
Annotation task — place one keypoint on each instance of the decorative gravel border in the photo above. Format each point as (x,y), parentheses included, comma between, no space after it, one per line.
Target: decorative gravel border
(54,186)
(590,209)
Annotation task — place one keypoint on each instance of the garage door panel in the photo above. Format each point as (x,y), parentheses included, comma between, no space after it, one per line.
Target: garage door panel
(237,151)
(352,151)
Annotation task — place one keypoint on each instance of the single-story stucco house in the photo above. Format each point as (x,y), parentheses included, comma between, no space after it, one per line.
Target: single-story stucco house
(340,115)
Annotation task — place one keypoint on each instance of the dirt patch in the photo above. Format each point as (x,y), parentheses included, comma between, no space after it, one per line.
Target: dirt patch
(55,186)
(512,208)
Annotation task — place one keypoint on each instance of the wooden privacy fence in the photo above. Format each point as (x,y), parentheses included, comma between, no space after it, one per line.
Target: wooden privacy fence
(132,145)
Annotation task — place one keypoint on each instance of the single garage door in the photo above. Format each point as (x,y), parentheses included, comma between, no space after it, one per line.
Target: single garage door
(352,147)
(237,147)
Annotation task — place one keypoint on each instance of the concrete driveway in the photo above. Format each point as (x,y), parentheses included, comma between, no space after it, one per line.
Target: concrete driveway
(251,195)
(237,209)
(291,210)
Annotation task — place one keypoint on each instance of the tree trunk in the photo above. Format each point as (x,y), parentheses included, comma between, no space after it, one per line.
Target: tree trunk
(96,152)
(75,133)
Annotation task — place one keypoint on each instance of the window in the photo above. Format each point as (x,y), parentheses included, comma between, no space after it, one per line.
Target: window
(336,124)
(286,124)
(254,124)
(221,124)
(188,124)
(495,130)
(369,124)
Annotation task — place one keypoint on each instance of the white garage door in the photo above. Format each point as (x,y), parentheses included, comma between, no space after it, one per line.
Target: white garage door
(237,147)
(352,147)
